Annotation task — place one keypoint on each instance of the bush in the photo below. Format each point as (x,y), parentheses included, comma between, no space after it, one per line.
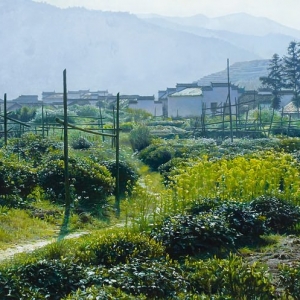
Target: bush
(43,279)
(289,145)
(127,175)
(139,138)
(230,278)
(91,183)
(184,235)
(156,279)
(280,215)
(126,126)
(155,155)
(120,247)
(247,222)
(101,292)
(32,147)
(16,179)
(290,280)
(81,143)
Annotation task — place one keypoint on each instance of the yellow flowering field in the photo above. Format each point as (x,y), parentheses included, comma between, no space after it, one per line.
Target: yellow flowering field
(241,178)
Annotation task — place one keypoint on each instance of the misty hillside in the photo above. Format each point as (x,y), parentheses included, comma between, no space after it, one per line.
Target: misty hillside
(244,74)
(261,36)
(103,50)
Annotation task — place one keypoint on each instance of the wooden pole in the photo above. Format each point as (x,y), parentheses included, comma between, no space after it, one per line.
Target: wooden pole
(229,102)
(5,120)
(66,149)
(43,124)
(118,157)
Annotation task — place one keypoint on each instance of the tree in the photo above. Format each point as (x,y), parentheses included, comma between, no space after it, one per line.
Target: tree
(292,71)
(274,80)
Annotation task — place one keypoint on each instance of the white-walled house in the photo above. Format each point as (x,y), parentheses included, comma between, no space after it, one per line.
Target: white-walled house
(188,100)
(148,104)
(185,103)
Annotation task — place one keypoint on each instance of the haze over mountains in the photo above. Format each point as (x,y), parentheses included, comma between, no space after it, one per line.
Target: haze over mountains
(122,52)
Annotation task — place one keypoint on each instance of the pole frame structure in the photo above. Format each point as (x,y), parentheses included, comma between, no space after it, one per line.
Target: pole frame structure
(66,148)
(117,199)
(229,102)
(5,119)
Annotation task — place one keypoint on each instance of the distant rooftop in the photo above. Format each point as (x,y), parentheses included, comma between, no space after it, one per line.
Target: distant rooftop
(188,92)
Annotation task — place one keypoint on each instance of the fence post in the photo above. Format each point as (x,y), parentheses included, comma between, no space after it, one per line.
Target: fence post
(5,120)
(118,157)
(66,150)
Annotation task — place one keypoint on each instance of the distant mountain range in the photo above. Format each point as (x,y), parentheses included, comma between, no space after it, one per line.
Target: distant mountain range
(122,52)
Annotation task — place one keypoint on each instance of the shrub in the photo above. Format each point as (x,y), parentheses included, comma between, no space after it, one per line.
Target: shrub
(289,145)
(32,147)
(81,143)
(117,248)
(184,235)
(290,280)
(155,155)
(248,223)
(230,278)
(280,215)
(127,174)
(87,111)
(156,279)
(139,138)
(168,169)
(91,183)
(16,179)
(126,126)
(42,279)
(101,292)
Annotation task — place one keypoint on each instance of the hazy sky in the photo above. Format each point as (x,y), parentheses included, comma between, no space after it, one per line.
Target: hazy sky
(285,12)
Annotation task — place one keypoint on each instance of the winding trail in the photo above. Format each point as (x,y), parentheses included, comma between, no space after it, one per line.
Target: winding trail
(29,247)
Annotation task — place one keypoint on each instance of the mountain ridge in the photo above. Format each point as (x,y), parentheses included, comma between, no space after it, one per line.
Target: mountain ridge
(113,51)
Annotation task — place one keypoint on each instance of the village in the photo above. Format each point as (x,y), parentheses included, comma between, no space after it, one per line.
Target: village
(183,101)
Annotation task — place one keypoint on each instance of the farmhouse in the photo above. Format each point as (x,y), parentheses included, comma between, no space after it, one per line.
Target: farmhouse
(187,100)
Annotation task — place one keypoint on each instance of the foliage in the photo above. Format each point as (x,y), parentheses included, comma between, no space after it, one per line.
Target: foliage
(194,234)
(32,148)
(18,225)
(139,137)
(16,180)
(155,279)
(128,175)
(81,143)
(231,278)
(290,280)
(275,80)
(292,71)
(42,279)
(244,219)
(118,247)
(48,116)
(101,292)
(91,183)
(86,110)
(156,155)
(126,126)
(240,178)
(24,114)
(138,115)
(280,215)
(289,145)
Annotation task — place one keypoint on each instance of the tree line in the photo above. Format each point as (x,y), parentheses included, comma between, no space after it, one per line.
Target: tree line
(284,73)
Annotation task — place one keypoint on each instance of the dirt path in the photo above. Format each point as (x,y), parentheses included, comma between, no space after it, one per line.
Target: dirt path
(29,247)
(287,252)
